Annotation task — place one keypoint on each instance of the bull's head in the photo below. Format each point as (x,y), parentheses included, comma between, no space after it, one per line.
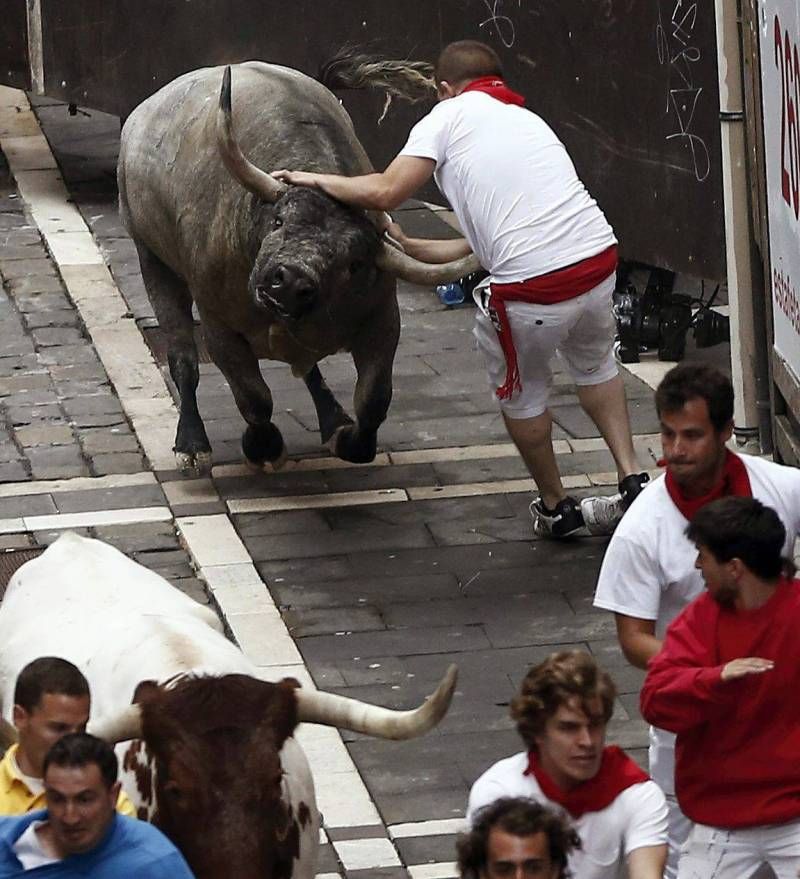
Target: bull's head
(216,743)
(325,237)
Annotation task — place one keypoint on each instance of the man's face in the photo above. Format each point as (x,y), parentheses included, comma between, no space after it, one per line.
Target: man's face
(80,806)
(518,857)
(694,450)
(718,577)
(39,729)
(570,747)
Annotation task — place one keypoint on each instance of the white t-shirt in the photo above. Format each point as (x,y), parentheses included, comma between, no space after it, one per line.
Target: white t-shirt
(648,570)
(637,817)
(512,185)
(29,849)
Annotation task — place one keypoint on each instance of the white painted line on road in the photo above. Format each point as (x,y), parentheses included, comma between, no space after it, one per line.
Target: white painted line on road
(434,871)
(97,518)
(437,827)
(502,486)
(317,501)
(366,854)
(78,483)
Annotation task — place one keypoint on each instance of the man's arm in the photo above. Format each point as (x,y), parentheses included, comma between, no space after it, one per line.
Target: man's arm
(379,191)
(432,250)
(637,638)
(685,686)
(647,862)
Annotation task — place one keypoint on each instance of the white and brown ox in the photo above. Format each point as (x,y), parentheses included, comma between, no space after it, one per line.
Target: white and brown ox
(209,754)
(280,273)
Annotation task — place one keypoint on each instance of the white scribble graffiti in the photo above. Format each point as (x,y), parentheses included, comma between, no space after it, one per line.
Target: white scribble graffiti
(502,23)
(676,48)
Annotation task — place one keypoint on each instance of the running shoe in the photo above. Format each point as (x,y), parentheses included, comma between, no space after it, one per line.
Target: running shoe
(561,522)
(632,486)
(603,514)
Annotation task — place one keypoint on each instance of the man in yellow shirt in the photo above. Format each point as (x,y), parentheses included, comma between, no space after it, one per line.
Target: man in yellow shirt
(51,699)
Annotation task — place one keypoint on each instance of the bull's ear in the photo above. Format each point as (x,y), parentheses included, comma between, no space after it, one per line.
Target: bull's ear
(280,715)
(144,692)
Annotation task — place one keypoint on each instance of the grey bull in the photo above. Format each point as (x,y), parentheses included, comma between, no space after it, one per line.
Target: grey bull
(281,273)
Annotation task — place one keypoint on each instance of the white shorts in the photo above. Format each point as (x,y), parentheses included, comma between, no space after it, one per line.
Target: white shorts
(581,329)
(715,853)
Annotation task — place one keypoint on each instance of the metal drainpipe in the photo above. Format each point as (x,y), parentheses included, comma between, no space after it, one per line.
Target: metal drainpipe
(737,222)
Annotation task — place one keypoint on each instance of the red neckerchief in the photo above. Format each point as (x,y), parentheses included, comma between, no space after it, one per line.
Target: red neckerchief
(557,286)
(617,773)
(734,482)
(495,88)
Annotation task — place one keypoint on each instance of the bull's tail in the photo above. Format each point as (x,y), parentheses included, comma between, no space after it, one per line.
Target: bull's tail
(348,69)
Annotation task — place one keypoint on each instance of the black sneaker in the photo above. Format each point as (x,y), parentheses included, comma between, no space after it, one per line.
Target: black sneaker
(563,521)
(631,487)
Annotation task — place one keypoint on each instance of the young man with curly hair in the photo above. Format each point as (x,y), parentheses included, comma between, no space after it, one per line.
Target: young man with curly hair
(514,835)
(620,816)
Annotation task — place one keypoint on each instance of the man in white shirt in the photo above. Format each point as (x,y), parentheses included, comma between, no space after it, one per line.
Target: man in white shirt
(648,573)
(550,253)
(620,815)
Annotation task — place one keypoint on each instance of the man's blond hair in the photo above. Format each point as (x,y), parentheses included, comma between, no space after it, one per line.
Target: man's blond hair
(547,686)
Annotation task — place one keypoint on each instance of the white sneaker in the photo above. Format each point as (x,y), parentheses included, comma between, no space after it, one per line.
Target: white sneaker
(602,514)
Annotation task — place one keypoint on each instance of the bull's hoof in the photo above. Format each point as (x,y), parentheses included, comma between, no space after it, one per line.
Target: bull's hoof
(193,463)
(350,444)
(268,466)
(263,446)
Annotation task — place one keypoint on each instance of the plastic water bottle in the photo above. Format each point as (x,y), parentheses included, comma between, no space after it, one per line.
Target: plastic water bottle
(451,294)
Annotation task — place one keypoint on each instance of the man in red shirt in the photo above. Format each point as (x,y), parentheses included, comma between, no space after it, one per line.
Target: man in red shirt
(726,681)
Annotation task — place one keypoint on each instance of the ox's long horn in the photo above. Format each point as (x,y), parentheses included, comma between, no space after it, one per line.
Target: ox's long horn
(344,713)
(264,185)
(120,727)
(390,259)
(8,734)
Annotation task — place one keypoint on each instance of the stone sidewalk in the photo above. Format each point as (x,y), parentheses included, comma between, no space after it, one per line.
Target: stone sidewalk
(383,574)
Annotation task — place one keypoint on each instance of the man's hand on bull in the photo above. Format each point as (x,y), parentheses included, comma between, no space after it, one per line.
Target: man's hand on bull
(300,178)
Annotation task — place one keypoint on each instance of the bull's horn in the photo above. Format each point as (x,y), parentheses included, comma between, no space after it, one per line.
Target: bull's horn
(264,185)
(343,713)
(120,727)
(8,734)
(390,259)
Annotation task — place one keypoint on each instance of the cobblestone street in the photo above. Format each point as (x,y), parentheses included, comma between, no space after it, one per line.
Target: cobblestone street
(381,574)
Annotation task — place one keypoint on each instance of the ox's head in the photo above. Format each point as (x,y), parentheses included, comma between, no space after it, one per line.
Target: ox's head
(219,779)
(313,254)
(315,248)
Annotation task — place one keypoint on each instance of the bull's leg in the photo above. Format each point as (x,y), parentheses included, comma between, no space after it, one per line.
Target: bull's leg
(262,442)
(330,414)
(172,303)
(373,354)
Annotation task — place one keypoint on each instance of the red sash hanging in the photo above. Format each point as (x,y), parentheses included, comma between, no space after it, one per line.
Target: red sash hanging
(557,286)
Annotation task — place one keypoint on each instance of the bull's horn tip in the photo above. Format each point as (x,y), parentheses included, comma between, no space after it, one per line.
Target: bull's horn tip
(448,684)
(225,93)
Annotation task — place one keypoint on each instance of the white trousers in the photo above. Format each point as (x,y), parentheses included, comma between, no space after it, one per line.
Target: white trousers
(716,853)
(581,330)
